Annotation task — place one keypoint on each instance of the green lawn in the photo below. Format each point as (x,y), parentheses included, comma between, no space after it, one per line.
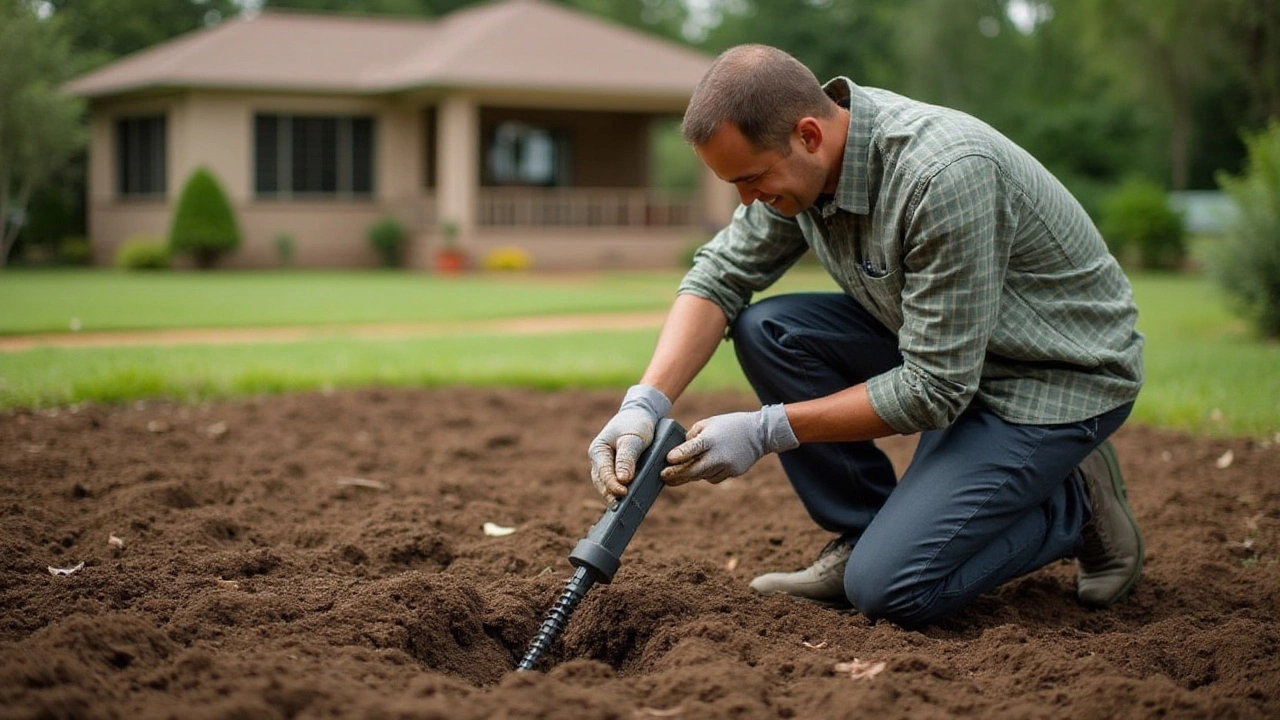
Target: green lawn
(51,301)
(1204,372)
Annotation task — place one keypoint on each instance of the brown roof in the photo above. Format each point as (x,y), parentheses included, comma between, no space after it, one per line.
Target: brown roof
(529,44)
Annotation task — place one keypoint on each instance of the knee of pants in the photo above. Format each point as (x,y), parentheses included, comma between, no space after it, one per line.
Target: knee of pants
(885,591)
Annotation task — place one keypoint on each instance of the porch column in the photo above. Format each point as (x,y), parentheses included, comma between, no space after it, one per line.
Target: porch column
(457,164)
(719,200)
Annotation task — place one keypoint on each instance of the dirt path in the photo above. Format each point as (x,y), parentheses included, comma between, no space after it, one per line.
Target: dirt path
(220,336)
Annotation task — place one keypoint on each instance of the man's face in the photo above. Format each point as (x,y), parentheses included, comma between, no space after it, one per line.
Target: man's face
(787,183)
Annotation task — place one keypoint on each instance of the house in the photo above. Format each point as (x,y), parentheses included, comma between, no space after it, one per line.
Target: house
(515,123)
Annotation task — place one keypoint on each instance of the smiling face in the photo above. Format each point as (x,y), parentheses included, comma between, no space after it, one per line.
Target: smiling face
(788,183)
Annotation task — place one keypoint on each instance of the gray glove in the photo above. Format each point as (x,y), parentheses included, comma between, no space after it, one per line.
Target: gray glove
(615,450)
(725,446)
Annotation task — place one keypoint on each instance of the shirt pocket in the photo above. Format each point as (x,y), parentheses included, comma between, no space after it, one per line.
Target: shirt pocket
(883,286)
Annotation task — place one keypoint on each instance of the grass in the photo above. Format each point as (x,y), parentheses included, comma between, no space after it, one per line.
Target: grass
(1205,373)
(45,301)
(57,300)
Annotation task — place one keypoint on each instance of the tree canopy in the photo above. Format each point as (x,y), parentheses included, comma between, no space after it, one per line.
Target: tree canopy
(1098,90)
(40,128)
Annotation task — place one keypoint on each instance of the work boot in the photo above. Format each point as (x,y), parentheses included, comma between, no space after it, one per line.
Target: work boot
(1111,559)
(822,582)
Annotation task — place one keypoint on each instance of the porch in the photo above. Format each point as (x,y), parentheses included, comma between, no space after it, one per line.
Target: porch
(569,228)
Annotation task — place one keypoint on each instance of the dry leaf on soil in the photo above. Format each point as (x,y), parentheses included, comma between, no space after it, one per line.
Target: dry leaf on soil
(859,669)
(1225,460)
(496,530)
(362,482)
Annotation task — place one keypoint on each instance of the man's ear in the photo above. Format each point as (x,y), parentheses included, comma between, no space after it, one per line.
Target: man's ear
(809,130)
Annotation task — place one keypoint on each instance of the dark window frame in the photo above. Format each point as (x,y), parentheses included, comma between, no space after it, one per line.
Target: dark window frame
(300,156)
(142,156)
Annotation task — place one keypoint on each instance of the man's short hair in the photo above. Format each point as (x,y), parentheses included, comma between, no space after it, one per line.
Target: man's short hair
(762,90)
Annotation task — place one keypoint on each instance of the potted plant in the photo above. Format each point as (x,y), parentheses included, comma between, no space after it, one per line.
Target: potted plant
(450,259)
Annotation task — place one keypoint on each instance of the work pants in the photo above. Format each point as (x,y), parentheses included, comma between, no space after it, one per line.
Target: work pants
(983,500)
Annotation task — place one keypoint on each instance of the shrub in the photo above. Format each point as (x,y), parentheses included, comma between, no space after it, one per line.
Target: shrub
(510,259)
(387,238)
(1247,265)
(1140,226)
(74,250)
(204,224)
(285,247)
(142,253)
(690,250)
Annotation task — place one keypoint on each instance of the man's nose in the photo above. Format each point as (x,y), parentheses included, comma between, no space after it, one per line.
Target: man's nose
(747,194)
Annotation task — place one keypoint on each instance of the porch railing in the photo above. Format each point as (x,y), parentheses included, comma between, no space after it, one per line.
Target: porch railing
(585,207)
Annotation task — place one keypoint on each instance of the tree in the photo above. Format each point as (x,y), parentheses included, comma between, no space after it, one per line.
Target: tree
(40,128)
(204,223)
(1255,35)
(104,30)
(402,8)
(1248,262)
(1170,49)
(854,38)
(666,18)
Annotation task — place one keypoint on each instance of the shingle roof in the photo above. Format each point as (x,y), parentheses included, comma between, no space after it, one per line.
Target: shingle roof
(529,44)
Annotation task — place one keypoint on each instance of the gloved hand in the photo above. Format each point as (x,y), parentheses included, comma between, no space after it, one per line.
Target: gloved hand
(725,446)
(615,450)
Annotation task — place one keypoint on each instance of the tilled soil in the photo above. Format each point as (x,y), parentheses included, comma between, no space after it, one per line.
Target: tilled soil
(322,555)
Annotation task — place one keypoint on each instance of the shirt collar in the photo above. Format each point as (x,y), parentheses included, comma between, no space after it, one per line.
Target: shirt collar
(852,190)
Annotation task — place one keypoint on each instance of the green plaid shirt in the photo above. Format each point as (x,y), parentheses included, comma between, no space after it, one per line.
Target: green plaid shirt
(992,276)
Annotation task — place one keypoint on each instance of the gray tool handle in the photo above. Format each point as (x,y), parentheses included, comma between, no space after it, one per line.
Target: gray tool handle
(600,551)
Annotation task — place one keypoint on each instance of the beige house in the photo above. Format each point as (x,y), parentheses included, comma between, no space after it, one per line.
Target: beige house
(516,123)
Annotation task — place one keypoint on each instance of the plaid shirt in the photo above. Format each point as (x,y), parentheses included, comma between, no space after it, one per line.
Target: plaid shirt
(992,277)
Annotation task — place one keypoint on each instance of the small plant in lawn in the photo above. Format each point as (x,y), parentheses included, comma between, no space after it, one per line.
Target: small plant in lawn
(507,259)
(450,258)
(1140,227)
(142,253)
(204,224)
(74,250)
(387,238)
(285,247)
(1247,265)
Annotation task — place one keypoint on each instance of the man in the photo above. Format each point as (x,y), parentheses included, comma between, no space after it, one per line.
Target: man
(980,308)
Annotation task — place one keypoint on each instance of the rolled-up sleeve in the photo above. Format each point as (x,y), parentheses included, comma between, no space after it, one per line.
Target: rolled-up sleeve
(955,252)
(747,256)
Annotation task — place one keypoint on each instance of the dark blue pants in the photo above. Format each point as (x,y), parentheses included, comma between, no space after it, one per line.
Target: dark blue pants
(982,502)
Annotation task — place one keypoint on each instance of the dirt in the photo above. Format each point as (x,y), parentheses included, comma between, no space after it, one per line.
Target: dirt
(322,555)
(532,325)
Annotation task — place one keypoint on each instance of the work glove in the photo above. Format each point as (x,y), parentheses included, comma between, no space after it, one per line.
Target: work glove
(725,446)
(615,450)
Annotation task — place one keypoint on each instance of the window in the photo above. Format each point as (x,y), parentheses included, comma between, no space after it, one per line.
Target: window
(522,154)
(313,155)
(140,156)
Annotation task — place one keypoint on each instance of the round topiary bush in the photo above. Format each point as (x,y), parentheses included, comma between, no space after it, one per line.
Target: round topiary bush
(204,224)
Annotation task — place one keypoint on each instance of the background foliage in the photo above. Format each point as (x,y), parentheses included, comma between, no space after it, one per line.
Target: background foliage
(1099,90)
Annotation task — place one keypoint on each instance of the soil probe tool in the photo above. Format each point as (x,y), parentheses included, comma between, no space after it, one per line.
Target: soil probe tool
(599,555)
